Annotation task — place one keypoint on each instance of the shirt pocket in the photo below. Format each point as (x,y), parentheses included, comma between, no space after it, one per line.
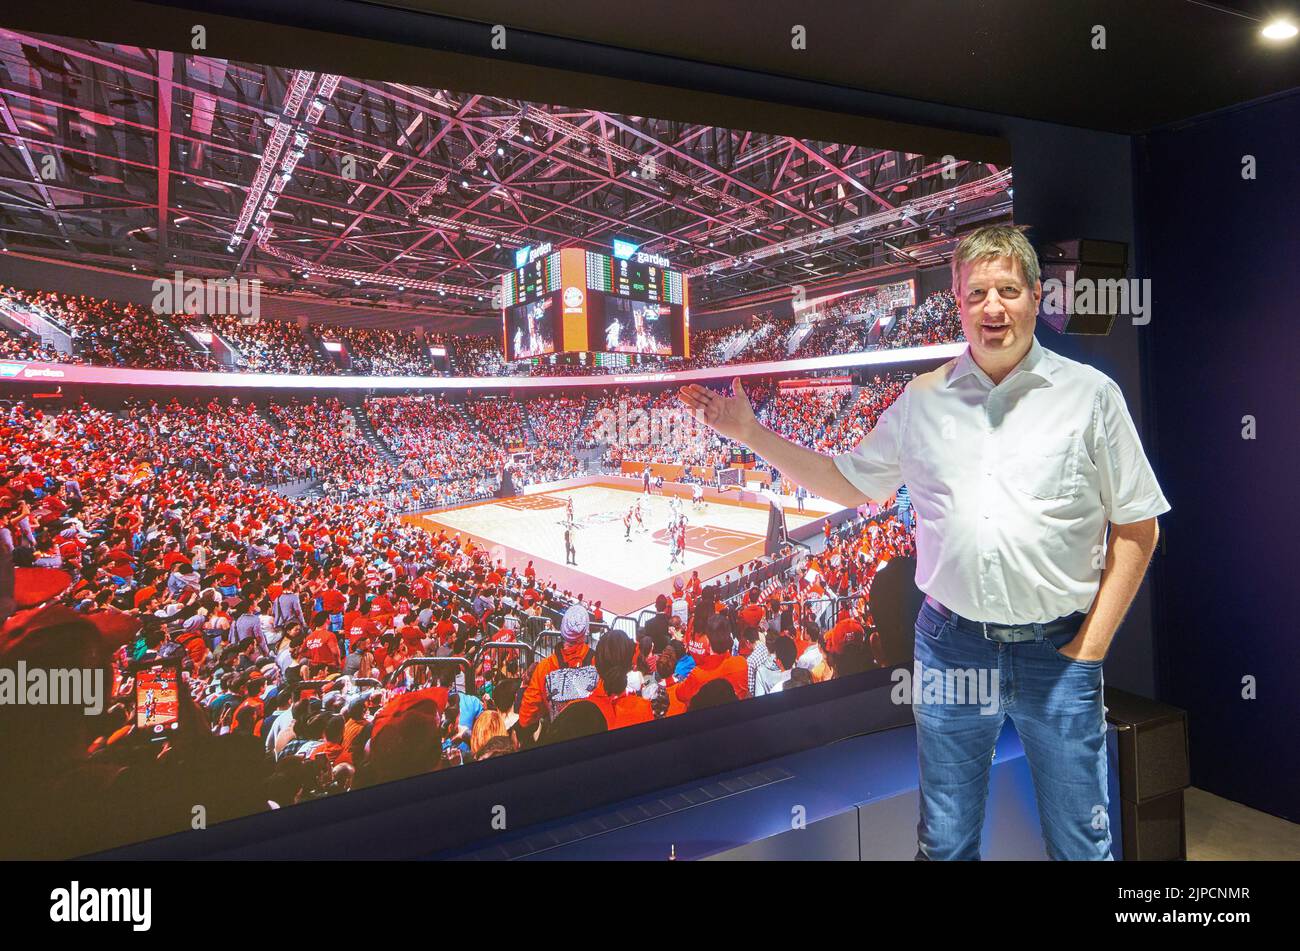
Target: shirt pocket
(1046,467)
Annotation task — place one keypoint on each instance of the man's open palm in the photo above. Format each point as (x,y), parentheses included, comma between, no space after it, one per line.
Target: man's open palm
(731,416)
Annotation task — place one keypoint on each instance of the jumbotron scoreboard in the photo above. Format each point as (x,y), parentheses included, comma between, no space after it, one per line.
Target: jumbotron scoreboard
(631,304)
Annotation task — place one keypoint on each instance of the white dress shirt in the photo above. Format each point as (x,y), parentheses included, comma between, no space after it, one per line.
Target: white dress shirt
(1013,484)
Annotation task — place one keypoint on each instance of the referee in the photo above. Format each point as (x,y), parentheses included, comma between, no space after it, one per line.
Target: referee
(1037,521)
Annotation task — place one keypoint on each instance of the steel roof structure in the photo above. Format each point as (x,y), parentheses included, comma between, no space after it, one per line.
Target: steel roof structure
(354,190)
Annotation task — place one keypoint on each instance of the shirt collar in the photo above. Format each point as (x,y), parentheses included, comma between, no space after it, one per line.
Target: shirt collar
(1037,362)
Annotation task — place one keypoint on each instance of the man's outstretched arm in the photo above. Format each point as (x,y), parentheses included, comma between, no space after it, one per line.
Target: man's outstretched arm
(733,416)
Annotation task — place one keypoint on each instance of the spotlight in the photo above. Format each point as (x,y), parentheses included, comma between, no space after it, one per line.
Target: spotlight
(1279,29)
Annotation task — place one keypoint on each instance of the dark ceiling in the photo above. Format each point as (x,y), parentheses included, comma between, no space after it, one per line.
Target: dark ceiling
(1165,60)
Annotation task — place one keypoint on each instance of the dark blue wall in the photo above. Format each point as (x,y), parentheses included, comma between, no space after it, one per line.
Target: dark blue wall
(1224,260)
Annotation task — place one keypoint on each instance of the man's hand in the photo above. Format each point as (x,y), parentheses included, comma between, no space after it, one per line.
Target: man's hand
(1076,649)
(733,417)
(730,416)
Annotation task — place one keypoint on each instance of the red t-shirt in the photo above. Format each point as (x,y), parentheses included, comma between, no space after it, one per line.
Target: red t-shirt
(712,667)
(751,614)
(321,647)
(623,710)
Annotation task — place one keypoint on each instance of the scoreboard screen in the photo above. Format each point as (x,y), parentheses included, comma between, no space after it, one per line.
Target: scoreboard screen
(633,280)
(612,361)
(533,281)
(596,303)
(632,326)
(530,329)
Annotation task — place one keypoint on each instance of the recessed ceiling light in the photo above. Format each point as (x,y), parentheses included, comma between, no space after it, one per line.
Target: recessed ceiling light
(1279,29)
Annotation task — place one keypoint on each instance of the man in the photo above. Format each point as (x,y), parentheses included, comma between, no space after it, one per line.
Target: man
(717,663)
(249,625)
(657,627)
(287,607)
(571,652)
(674,552)
(1020,464)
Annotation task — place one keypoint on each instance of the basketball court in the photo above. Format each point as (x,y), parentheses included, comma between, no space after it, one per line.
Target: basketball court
(625,574)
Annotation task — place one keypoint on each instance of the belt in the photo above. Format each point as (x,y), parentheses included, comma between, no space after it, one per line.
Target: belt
(1010,633)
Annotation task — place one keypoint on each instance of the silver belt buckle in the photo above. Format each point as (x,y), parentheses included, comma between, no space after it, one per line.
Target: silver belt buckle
(984,627)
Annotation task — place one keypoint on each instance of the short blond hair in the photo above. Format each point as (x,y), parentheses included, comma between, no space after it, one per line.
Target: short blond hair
(996,241)
(488,724)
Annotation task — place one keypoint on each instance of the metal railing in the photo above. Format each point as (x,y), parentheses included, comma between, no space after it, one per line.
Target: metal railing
(420,672)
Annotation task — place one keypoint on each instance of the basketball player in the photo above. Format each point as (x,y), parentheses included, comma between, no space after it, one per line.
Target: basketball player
(568,510)
(640,522)
(638,321)
(612,333)
(697,495)
(570,553)
(681,540)
(532,331)
(627,524)
(674,552)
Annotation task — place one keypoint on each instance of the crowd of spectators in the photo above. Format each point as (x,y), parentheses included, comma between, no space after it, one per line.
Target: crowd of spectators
(107,333)
(26,346)
(271,346)
(114,334)
(478,355)
(377,352)
(935,320)
(154,534)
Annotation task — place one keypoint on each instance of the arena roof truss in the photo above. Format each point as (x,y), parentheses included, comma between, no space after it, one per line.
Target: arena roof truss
(358,190)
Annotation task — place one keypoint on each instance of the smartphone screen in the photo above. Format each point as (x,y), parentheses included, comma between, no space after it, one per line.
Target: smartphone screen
(157,699)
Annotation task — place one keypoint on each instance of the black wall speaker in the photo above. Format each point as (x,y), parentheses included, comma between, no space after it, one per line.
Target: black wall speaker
(1153,772)
(1154,831)
(1083,260)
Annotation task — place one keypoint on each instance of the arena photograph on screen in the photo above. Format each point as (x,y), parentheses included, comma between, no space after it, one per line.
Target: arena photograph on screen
(345,433)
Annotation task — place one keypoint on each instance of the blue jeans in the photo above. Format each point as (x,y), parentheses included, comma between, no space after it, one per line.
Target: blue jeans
(1056,705)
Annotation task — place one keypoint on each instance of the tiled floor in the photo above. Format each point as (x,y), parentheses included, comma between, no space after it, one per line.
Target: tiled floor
(1219,829)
